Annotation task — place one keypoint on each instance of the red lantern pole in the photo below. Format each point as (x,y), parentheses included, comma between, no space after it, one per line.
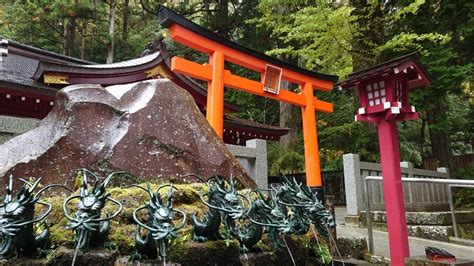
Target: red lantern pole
(383,97)
(393,191)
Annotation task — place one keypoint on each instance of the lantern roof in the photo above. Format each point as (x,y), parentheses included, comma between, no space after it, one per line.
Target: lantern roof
(408,66)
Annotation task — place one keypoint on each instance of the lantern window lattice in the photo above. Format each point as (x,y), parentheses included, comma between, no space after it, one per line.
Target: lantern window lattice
(399,91)
(376,93)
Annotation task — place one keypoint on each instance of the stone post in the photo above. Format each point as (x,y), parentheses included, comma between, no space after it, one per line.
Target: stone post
(13,126)
(409,167)
(354,185)
(261,167)
(443,170)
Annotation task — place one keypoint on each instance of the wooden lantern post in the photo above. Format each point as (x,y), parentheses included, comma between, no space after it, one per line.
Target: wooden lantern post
(383,97)
(272,71)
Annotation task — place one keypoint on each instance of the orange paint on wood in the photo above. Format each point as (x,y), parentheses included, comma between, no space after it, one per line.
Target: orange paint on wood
(215,94)
(189,68)
(204,72)
(322,106)
(310,135)
(202,44)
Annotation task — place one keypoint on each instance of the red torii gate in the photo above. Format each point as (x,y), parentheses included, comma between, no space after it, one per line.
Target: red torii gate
(220,50)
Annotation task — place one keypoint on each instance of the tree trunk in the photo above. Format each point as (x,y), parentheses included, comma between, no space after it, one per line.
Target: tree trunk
(289,118)
(422,137)
(371,33)
(223,25)
(110,47)
(126,17)
(83,39)
(70,37)
(285,121)
(65,39)
(439,136)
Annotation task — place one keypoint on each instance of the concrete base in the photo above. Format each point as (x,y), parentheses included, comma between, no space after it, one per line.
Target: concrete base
(352,261)
(425,218)
(13,126)
(461,241)
(434,232)
(353,220)
(423,261)
(428,225)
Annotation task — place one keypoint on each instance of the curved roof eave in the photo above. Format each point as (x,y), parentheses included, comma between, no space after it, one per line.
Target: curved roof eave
(124,72)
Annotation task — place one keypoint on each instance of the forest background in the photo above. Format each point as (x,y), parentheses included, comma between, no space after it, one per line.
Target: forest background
(334,37)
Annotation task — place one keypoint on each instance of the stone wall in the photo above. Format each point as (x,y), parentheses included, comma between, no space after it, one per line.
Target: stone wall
(429,225)
(253,157)
(14,126)
(418,197)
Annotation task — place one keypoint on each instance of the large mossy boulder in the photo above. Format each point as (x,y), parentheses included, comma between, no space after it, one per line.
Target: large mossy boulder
(152,130)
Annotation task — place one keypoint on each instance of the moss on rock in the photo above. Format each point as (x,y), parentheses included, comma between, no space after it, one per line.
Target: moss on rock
(123,236)
(209,253)
(184,250)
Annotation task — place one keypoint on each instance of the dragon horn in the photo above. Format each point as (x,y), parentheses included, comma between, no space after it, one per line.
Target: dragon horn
(148,187)
(33,187)
(84,178)
(233,183)
(285,179)
(158,198)
(25,181)
(9,189)
(107,179)
(170,196)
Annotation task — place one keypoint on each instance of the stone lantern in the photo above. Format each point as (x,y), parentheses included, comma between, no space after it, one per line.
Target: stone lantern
(384,99)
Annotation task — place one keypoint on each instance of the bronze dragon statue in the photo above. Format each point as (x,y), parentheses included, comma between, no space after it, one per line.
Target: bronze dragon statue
(160,225)
(90,228)
(17,216)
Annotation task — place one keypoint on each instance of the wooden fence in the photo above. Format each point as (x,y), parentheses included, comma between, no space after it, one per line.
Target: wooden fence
(459,162)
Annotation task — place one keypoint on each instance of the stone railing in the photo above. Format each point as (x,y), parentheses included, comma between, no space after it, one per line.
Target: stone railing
(418,197)
(253,157)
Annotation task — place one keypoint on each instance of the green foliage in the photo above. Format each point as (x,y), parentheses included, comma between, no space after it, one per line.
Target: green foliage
(464,197)
(315,34)
(283,160)
(318,36)
(323,254)
(59,26)
(372,32)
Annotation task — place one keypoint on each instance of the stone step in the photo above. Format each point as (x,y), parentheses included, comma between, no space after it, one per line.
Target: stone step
(462,241)
(423,261)
(426,218)
(434,232)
